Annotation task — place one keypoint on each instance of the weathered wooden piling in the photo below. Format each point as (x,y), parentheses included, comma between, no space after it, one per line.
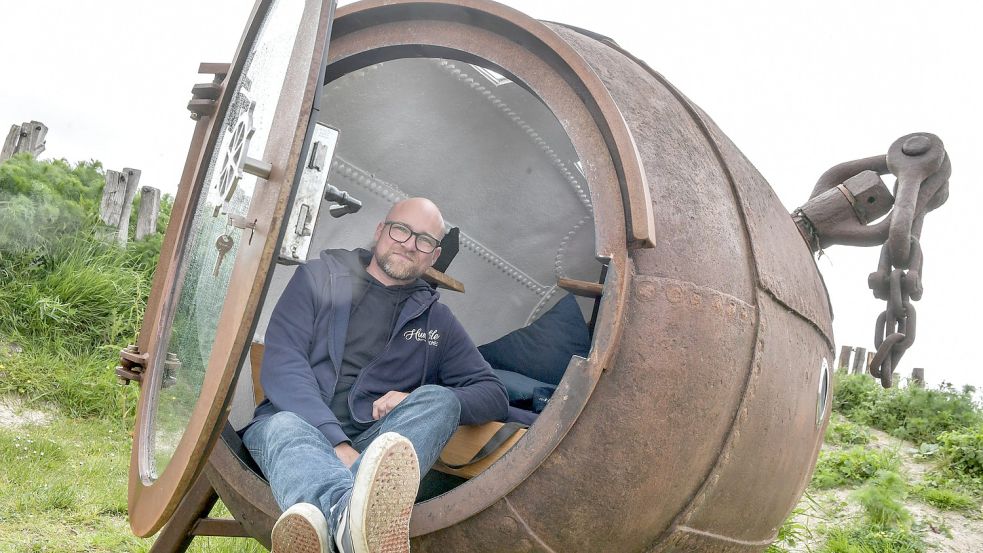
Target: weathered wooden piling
(117,200)
(148,213)
(26,137)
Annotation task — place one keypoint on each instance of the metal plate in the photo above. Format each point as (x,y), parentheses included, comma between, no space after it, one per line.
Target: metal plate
(310,194)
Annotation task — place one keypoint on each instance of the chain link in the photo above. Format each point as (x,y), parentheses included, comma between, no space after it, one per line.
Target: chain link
(922,168)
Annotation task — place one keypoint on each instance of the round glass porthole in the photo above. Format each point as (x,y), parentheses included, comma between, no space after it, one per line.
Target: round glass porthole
(823,392)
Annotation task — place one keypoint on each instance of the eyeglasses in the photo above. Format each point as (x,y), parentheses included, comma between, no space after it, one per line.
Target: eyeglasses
(401,233)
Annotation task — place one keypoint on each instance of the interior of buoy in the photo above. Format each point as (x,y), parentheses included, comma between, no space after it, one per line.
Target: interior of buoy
(491,155)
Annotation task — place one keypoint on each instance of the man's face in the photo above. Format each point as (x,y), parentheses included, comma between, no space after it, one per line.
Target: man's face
(403,261)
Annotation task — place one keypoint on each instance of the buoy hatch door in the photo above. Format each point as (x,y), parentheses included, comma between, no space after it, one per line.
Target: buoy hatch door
(254,128)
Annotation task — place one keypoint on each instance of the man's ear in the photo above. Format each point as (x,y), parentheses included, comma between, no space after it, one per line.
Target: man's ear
(378,232)
(436,256)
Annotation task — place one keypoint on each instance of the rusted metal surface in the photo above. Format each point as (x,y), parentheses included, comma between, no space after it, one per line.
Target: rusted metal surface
(247,496)
(221,527)
(177,535)
(851,195)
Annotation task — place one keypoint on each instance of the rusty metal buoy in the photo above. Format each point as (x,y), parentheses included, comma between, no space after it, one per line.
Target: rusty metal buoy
(696,419)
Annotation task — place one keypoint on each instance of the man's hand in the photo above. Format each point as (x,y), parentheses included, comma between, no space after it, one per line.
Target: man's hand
(382,406)
(346,453)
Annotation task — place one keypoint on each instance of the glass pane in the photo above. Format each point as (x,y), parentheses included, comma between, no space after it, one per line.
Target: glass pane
(203,278)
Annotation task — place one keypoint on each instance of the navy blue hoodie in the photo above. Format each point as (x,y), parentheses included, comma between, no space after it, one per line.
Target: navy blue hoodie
(305,342)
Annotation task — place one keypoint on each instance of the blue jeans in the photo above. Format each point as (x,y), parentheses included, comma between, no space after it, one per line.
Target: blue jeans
(302,467)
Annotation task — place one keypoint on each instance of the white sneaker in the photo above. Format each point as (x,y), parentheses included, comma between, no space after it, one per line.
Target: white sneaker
(301,529)
(377,518)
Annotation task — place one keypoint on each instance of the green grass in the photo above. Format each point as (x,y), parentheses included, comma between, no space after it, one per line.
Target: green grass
(886,525)
(863,538)
(790,534)
(943,496)
(81,384)
(63,486)
(947,427)
(852,466)
(68,299)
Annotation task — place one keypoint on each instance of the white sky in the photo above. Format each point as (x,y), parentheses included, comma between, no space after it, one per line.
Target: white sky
(798,86)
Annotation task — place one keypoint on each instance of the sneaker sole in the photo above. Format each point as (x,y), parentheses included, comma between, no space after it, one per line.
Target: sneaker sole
(293,532)
(383,496)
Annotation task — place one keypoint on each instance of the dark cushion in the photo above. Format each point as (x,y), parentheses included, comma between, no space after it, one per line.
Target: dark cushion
(519,386)
(542,350)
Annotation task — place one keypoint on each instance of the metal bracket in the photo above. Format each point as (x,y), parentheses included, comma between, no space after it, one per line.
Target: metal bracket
(204,96)
(132,364)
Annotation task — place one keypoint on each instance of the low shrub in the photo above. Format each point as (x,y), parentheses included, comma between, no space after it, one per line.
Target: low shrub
(841,431)
(910,413)
(851,466)
(854,395)
(41,200)
(886,526)
(962,451)
(960,461)
(942,496)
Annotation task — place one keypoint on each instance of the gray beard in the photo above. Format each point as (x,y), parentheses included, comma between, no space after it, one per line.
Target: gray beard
(394,272)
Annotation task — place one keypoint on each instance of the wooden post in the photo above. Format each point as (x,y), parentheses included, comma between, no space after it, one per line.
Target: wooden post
(32,138)
(860,361)
(10,145)
(132,180)
(870,358)
(113,193)
(149,210)
(27,137)
(844,364)
(918,377)
(117,200)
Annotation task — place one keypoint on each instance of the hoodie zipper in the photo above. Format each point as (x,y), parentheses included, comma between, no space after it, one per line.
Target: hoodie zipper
(365,369)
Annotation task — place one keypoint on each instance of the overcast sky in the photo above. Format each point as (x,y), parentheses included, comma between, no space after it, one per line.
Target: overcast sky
(798,86)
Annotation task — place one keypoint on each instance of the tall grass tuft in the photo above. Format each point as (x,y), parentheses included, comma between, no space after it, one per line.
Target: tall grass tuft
(882,499)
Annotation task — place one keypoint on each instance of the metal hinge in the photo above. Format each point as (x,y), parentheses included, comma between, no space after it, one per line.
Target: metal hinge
(132,363)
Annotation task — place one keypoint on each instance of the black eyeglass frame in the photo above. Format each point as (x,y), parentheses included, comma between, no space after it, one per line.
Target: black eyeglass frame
(414,235)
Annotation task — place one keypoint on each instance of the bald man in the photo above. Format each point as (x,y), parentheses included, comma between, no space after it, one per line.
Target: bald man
(366,377)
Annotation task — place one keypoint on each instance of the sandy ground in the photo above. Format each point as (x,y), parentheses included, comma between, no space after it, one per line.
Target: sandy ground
(835,508)
(14,415)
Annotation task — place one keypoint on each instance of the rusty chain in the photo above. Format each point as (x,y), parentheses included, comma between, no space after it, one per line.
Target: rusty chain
(922,168)
(851,205)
